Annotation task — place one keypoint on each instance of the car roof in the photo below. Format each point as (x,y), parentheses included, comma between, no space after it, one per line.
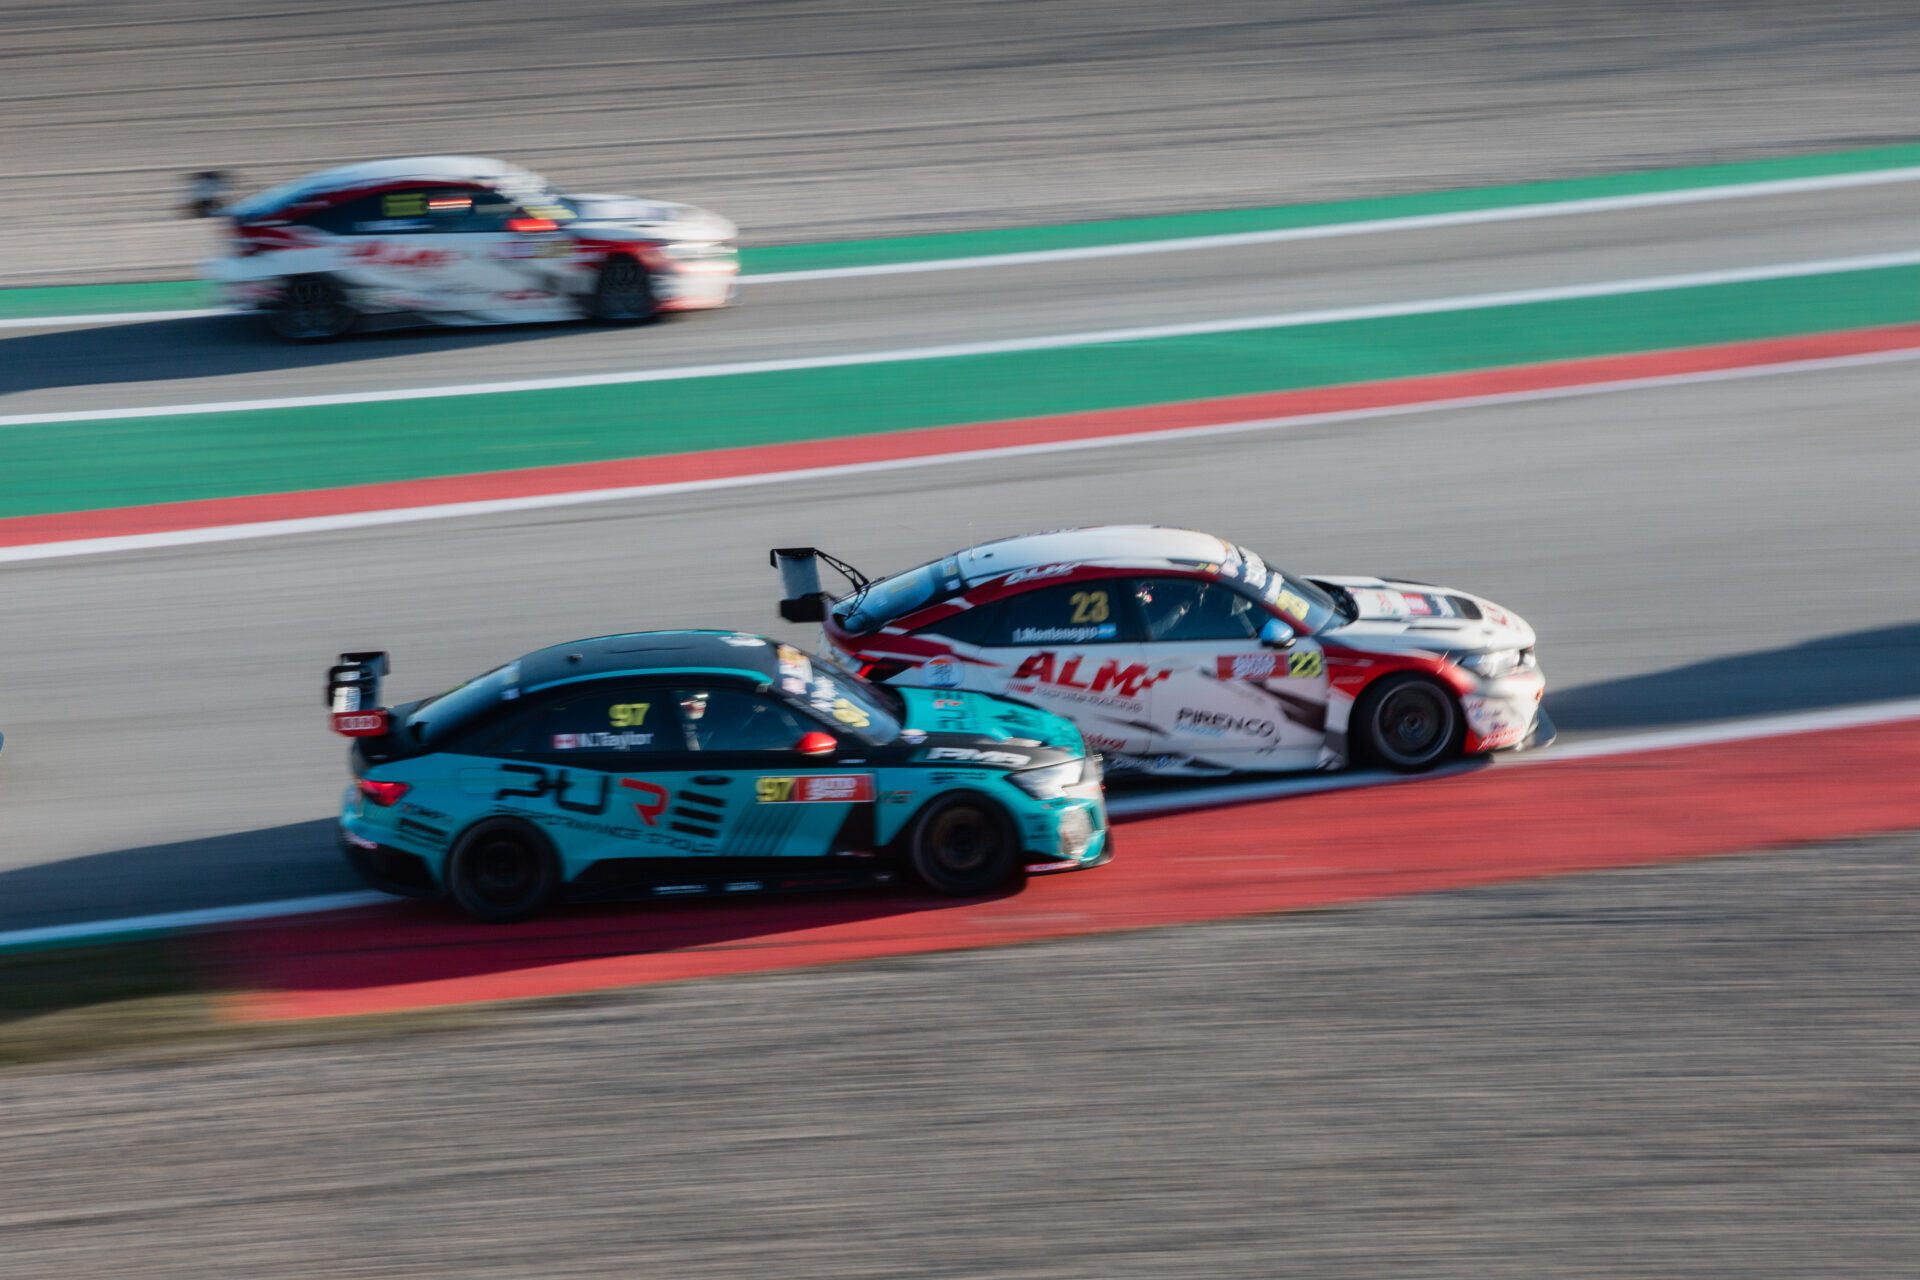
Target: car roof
(1127,545)
(477,169)
(644,652)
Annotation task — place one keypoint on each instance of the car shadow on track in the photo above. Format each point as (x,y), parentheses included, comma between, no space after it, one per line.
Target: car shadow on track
(294,861)
(215,347)
(1832,671)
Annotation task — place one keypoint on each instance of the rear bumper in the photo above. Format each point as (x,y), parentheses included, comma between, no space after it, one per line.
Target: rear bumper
(388,869)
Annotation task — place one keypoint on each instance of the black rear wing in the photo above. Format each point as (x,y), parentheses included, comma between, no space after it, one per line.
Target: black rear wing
(353,694)
(799,568)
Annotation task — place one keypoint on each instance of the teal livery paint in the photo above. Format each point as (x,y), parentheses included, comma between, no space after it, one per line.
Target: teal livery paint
(681,763)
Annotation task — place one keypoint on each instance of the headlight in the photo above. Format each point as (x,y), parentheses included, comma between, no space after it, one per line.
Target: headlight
(1499,662)
(1078,778)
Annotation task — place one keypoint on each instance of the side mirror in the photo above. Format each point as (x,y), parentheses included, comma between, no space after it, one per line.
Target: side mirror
(817,744)
(1277,635)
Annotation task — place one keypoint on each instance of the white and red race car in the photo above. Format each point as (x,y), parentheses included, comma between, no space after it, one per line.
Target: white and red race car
(1180,654)
(464,241)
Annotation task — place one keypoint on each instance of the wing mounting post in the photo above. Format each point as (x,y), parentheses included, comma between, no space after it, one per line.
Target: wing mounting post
(805,600)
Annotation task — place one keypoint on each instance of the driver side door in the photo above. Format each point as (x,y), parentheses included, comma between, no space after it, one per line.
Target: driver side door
(1228,700)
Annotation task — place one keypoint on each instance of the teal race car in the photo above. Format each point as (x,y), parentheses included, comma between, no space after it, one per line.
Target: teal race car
(683,763)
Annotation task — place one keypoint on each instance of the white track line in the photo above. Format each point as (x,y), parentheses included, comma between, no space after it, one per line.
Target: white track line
(1125,807)
(110,317)
(169,921)
(1185,244)
(1374,226)
(538,502)
(1004,346)
(1749,730)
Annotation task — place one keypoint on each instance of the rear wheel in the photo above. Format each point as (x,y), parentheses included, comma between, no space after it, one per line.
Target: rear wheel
(964,845)
(311,309)
(1409,723)
(623,293)
(502,870)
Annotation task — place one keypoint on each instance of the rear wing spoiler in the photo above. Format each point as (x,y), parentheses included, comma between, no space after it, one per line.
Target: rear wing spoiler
(353,694)
(799,568)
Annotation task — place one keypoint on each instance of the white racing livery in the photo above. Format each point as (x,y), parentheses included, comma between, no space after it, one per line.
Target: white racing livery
(464,241)
(1180,654)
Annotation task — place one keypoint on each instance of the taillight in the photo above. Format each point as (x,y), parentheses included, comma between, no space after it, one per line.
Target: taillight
(532,224)
(384,794)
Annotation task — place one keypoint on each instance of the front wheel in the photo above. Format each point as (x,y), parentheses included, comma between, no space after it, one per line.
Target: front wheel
(311,309)
(503,870)
(1408,723)
(964,845)
(623,293)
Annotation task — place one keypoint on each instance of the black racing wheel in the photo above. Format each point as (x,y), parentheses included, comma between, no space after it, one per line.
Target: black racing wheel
(623,293)
(1408,723)
(311,309)
(964,845)
(503,870)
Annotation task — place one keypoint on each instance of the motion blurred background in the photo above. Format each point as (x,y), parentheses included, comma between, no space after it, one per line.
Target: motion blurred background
(809,120)
(1700,1069)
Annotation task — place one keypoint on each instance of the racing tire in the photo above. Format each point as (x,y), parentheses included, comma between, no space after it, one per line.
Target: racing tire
(963,846)
(1408,723)
(502,870)
(311,309)
(623,293)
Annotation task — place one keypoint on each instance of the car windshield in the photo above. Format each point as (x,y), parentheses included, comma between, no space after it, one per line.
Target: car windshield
(1311,609)
(445,712)
(872,712)
(889,598)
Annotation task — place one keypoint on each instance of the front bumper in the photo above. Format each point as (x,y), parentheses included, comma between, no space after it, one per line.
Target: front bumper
(1505,712)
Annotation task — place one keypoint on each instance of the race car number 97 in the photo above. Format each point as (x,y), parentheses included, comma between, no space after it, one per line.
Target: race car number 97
(628,715)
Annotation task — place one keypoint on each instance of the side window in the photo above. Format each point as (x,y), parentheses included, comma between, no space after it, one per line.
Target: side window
(733,720)
(467,209)
(970,626)
(1096,612)
(1174,609)
(621,720)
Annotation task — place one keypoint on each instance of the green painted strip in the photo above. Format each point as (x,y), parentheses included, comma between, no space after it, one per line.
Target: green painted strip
(967,244)
(183,295)
(82,466)
(100,299)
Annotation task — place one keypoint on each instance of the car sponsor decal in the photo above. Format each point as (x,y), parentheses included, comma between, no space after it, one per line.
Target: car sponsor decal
(377,253)
(1379,604)
(974,755)
(1307,664)
(1038,573)
(1111,678)
(796,673)
(655,802)
(1064,635)
(1217,723)
(360,724)
(942,672)
(599,741)
(818,788)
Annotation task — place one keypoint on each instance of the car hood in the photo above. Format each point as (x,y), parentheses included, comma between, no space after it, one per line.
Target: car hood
(1396,614)
(981,729)
(603,213)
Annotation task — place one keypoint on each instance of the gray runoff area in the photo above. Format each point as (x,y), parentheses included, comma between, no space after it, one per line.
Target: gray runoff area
(1702,1070)
(835,119)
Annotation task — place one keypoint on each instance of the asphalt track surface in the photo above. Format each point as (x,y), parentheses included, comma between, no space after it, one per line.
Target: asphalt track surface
(222,358)
(1687,554)
(836,119)
(1702,1070)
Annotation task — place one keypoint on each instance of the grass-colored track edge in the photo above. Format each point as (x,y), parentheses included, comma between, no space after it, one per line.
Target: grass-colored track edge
(168,295)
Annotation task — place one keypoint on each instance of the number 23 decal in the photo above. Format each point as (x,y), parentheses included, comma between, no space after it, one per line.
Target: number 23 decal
(1089,606)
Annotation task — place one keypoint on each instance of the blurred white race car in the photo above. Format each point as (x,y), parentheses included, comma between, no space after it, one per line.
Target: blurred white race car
(465,241)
